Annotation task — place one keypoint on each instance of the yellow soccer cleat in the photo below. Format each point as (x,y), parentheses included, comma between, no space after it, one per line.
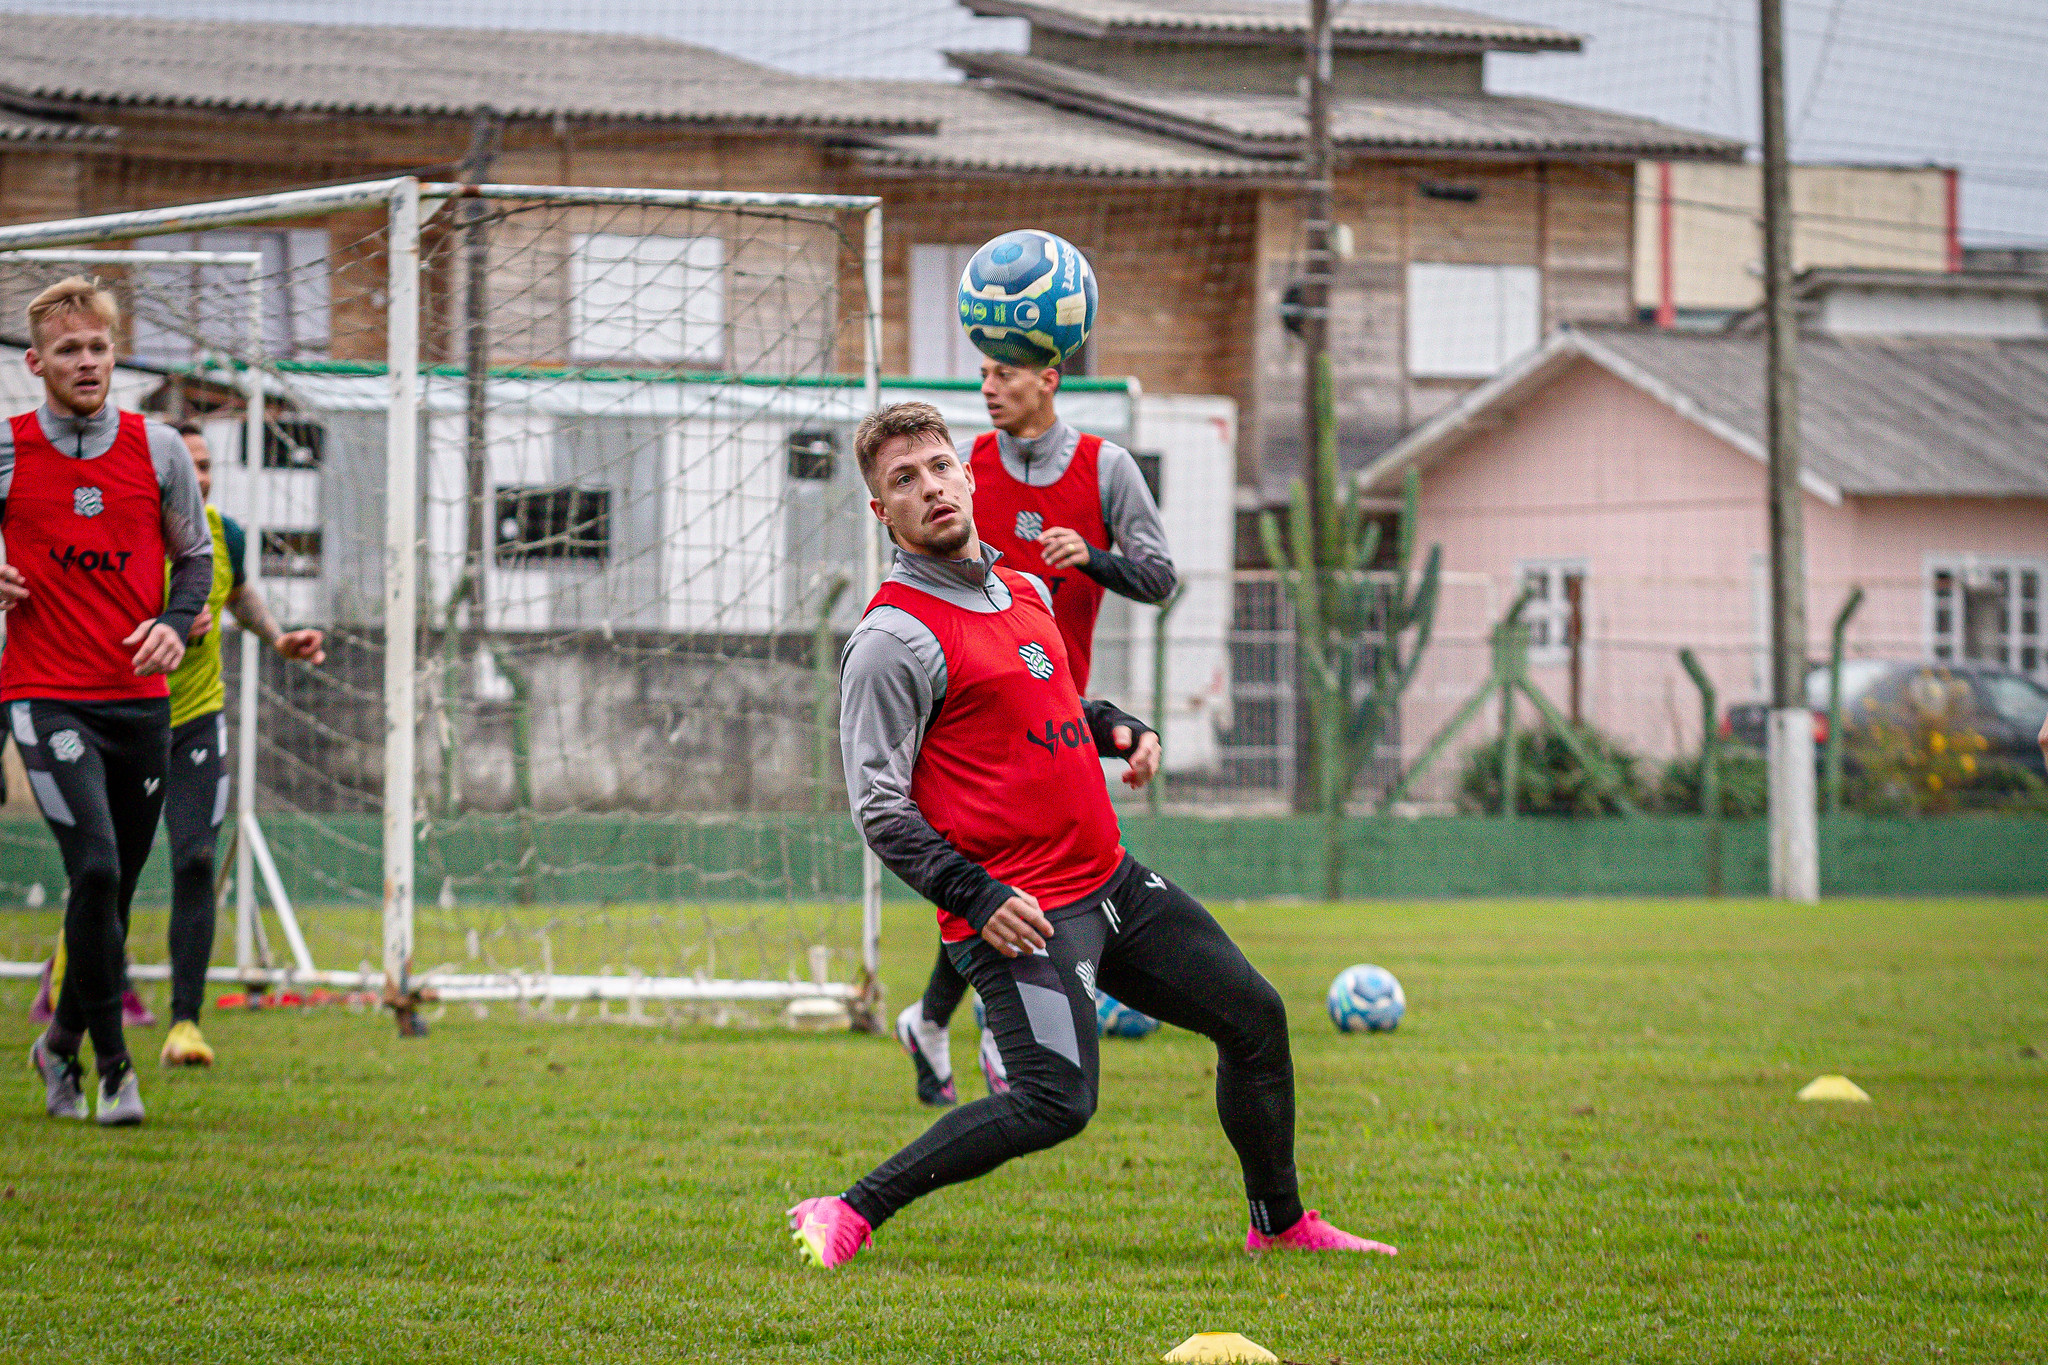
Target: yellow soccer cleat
(186,1046)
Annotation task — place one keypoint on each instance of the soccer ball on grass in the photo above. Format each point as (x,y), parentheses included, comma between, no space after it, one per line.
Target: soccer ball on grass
(1366,999)
(1028,298)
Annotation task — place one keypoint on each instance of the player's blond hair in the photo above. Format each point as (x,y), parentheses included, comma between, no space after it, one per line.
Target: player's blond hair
(884,425)
(76,295)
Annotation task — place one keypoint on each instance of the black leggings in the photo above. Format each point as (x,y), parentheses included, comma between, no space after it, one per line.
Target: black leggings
(195,803)
(1152,946)
(97,771)
(943,992)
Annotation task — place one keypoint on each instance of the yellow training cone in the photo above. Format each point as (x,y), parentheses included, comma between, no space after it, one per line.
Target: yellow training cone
(1834,1088)
(1220,1346)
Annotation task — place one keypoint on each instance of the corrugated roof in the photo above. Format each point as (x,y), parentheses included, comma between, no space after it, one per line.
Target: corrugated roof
(362,68)
(1276,125)
(983,131)
(19,127)
(1352,25)
(1941,416)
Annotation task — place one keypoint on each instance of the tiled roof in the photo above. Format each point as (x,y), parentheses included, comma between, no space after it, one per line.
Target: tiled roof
(19,127)
(1928,416)
(1276,125)
(982,131)
(1352,25)
(375,69)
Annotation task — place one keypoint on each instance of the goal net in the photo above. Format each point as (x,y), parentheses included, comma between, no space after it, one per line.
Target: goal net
(566,477)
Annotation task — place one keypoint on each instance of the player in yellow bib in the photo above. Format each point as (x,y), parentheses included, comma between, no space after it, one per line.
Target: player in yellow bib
(196,779)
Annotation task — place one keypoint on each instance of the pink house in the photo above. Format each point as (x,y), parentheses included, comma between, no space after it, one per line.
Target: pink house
(1620,474)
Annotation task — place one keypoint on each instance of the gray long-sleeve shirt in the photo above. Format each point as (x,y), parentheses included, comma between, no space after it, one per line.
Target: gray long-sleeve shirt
(892,683)
(188,543)
(1139,567)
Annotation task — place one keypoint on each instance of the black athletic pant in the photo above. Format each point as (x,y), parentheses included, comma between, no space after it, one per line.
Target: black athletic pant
(97,771)
(943,992)
(195,803)
(1152,946)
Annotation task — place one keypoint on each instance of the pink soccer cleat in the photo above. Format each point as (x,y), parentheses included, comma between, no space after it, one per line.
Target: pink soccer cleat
(827,1231)
(135,1014)
(1313,1234)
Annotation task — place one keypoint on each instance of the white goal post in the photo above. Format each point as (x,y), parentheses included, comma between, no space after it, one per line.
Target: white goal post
(408,206)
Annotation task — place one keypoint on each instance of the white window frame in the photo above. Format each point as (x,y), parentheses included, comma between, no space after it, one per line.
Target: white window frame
(1549,617)
(1468,321)
(2023,643)
(939,348)
(297,295)
(646,299)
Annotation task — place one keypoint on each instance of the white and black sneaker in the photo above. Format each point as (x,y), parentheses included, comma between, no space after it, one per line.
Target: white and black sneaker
(63,1082)
(120,1098)
(931,1052)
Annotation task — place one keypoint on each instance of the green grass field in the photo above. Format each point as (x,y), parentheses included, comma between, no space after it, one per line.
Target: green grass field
(1583,1139)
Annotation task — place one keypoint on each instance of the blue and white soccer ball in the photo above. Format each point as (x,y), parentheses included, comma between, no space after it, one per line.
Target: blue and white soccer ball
(1028,298)
(1366,999)
(1118,1020)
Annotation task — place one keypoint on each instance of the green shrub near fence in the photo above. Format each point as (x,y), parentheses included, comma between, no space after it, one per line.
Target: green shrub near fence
(586,859)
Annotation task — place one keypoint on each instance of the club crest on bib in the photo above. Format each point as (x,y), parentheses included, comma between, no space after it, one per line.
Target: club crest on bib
(1035,659)
(1030,525)
(87,501)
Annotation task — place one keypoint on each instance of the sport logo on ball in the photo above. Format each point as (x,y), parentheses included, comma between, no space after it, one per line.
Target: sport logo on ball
(87,501)
(1030,526)
(1035,659)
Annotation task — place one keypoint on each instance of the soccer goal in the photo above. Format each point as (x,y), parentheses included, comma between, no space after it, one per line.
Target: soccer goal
(566,476)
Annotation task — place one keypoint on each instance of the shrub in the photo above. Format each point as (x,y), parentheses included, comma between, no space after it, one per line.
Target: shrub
(1921,754)
(1551,780)
(1740,770)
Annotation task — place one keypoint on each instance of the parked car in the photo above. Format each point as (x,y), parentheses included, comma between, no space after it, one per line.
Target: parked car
(2005,707)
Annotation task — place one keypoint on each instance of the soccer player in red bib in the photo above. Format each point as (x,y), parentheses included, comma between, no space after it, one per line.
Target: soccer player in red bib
(93,503)
(974,771)
(1054,501)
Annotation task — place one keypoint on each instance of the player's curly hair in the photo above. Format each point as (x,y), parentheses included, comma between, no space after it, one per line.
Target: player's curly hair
(76,294)
(883,425)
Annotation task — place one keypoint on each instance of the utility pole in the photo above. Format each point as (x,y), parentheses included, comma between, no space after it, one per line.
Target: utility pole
(1795,851)
(1318,417)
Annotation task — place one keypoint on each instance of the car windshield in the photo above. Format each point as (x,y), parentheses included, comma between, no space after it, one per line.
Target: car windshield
(1857,677)
(2017,700)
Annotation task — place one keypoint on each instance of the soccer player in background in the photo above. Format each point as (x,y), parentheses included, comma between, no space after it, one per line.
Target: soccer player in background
(93,502)
(973,768)
(1053,500)
(196,786)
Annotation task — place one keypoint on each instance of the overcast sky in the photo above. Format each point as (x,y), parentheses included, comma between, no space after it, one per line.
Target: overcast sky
(1962,83)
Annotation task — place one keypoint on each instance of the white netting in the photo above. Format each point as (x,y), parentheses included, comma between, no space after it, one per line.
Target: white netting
(639,543)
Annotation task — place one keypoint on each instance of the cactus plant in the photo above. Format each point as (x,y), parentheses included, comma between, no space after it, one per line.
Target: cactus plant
(1326,571)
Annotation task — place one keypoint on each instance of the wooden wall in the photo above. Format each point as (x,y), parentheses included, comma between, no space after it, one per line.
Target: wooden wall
(1173,266)
(1191,276)
(1571,221)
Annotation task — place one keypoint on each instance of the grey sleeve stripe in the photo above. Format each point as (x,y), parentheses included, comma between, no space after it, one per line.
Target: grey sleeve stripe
(1145,572)
(6,459)
(186,534)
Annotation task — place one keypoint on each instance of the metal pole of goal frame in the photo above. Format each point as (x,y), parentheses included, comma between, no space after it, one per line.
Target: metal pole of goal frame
(1794,826)
(246,713)
(871,576)
(401,596)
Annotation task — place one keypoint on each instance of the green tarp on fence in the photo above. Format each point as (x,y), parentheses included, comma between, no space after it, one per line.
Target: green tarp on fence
(623,858)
